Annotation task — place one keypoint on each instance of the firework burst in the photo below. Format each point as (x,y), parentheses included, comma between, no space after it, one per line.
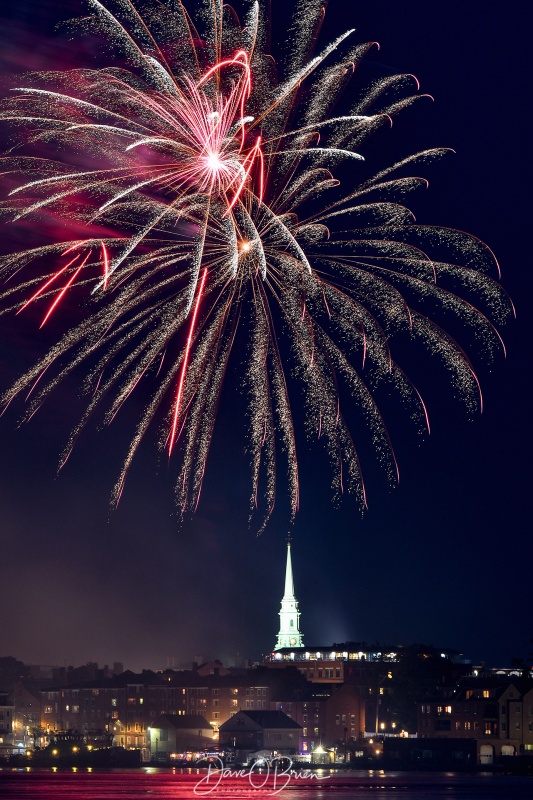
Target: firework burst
(216,209)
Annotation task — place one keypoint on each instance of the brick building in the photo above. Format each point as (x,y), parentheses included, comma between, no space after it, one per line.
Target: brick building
(497,714)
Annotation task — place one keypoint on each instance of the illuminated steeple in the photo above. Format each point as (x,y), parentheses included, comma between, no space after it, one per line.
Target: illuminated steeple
(289,617)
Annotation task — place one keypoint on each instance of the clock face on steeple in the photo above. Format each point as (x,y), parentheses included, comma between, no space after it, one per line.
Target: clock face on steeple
(293,642)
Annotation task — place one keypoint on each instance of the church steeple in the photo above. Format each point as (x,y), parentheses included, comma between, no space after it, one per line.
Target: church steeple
(289,617)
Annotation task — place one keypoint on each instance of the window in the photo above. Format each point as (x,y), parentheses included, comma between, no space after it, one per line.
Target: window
(315,731)
(47,710)
(488,729)
(486,693)
(467,726)
(76,710)
(457,726)
(305,731)
(233,703)
(517,726)
(215,691)
(504,726)
(216,715)
(114,701)
(216,703)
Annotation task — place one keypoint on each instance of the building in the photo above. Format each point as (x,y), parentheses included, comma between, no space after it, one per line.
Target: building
(289,616)
(330,714)
(497,714)
(6,726)
(173,735)
(26,716)
(250,731)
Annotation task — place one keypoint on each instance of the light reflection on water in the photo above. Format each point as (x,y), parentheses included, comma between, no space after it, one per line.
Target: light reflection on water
(158,784)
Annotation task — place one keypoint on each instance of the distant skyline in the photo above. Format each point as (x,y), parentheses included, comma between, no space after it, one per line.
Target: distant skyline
(444,559)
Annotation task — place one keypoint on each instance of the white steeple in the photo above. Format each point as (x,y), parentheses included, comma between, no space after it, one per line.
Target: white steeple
(289,617)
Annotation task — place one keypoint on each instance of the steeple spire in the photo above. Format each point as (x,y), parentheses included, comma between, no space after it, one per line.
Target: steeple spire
(289,617)
(289,582)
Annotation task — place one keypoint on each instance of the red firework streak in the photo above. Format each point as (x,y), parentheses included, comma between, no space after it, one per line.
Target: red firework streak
(241,60)
(61,293)
(177,405)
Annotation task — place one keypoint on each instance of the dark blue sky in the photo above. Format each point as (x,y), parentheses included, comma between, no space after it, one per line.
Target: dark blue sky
(445,558)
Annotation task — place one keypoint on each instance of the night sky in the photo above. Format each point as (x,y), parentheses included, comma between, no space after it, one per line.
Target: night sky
(443,559)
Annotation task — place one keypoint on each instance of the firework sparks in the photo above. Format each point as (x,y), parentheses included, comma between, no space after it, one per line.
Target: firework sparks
(217,183)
